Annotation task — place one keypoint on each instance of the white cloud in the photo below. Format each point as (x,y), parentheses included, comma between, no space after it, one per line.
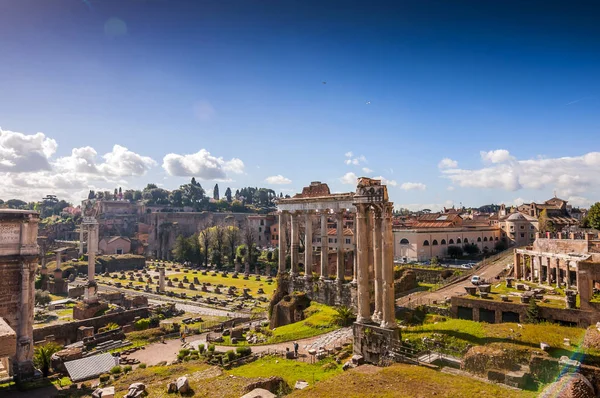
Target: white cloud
(278,179)
(203,110)
(385,181)
(21,153)
(413,186)
(349,178)
(355,160)
(367,170)
(579,201)
(569,175)
(450,188)
(120,162)
(201,165)
(447,163)
(496,156)
(421,206)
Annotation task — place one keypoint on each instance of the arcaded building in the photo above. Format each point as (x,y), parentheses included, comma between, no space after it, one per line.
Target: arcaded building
(18,263)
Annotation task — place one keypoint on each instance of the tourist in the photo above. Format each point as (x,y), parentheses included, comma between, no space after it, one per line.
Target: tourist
(296,348)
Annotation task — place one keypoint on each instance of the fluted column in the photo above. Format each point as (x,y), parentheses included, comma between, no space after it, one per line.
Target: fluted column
(294,246)
(340,247)
(388,305)
(308,247)
(517,266)
(92,248)
(324,245)
(80,240)
(354,253)
(548,271)
(364,311)
(282,242)
(377,261)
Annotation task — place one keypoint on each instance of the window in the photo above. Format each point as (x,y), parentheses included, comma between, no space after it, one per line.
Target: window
(262,222)
(435,242)
(272,237)
(259,238)
(485,238)
(522,235)
(451,242)
(347,241)
(531,227)
(458,240)
(531,236)
(426,243)
(496,238)
(404,241)
(274,229)
(522,226)
(318,240)
(466,240)
(330,240)
(479,239)
(443,242)
(119,251)
(259,229)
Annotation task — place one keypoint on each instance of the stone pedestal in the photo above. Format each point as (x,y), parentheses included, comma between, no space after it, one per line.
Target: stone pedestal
(86,311)
(373,342)
(90,295)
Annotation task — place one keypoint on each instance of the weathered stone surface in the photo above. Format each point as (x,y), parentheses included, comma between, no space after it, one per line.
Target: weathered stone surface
(406,281)
(259,393)
(571,385)
(183,385)
(289,309)
(480,359)
(272,384)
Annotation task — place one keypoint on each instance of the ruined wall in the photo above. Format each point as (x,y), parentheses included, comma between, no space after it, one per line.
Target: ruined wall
(66,333)
(561,245)
(326,292)
(580,317)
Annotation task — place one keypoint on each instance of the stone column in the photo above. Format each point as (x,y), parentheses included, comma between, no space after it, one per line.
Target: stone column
(557,273)
(389,305)
(324,245)
(377,263)
(161,279)
(81,240)
(58,259)
(364,310)
(92,248)
(294,246)
(567,281)
(354,253)
(340,247)
(24,356)
(548,271)
(282,242)
(308,246)
(517,266)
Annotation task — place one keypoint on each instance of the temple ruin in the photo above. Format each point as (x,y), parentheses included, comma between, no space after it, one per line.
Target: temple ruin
(18,263)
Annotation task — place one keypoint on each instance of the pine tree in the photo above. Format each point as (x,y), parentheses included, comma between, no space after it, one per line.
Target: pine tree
(216,192)
(228,194)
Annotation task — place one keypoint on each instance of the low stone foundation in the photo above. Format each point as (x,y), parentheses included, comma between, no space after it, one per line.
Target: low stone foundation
(86,311)
(325,292)
(58,286)
(374,342)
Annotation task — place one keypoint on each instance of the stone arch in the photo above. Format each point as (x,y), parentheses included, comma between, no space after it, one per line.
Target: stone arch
(466,240)
(426,243)
(485,238)
(443,242)
(451,242)
(434,242)
(458,240)
(479,239)
(404,241)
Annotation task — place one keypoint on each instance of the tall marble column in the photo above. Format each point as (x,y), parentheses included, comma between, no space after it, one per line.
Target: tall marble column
(81,240)
(308,246)
(557,273)
(161,279)
(364,310)
(567,281)
(548,271)
(324,245)
(340,247)
(377,261)
(282,242)
(354,253)
(517,266)
(294,246)
(388,305)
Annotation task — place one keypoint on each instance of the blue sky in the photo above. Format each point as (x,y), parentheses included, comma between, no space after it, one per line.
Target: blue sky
(134,91)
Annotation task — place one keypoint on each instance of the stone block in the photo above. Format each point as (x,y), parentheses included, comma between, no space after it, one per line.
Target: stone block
(496,375)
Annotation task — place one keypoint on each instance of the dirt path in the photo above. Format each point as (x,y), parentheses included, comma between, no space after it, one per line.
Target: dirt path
(487,271)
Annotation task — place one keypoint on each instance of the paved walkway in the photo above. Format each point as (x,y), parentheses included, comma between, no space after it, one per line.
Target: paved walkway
(167,351)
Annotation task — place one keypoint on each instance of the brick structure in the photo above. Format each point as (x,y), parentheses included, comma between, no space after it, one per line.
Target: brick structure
(18,262)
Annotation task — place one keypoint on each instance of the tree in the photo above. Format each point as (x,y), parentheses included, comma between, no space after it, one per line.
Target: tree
(182,249)
(249,241)
(42,298)
(592,220)
(545,225)
(500,246)
(228,194)
(218,238)
(16,204)
(92,194)
(232,237)
(204,239)
(216,192)
(532,311)
(42,356)
(343,316)
(471,248)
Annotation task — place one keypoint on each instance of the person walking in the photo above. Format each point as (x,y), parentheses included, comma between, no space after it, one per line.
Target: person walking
(296,349)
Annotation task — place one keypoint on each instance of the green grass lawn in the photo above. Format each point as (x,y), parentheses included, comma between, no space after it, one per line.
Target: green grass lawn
(457,334)
(404,381)
(319,319)
(290,370)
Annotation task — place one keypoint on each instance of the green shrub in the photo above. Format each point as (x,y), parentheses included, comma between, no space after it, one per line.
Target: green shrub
(194,357)
(142,324)
(243,351)
(142,365)
(211,348)
(201,348)
(230,355)
(104,377)
(116,370)
(184,351)
(127,368)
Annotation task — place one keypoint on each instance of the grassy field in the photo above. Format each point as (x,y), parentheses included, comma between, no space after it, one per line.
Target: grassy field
(499,289)
(402,380)
(458,334)
(290,370)
(319,319)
